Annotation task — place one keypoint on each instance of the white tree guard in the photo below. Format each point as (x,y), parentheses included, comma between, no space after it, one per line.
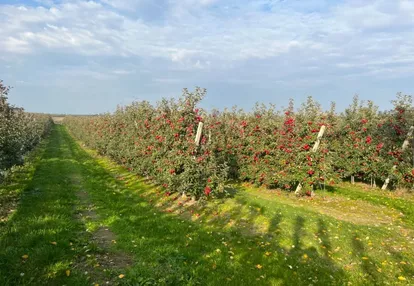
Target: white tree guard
(314,149)
(318,139)
(404,146)
(199,132)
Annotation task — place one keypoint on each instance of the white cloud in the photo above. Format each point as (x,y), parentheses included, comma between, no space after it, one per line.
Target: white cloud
(124,4)
(14,45)
(123,72)
(235,41)
(407,5)
(90,28)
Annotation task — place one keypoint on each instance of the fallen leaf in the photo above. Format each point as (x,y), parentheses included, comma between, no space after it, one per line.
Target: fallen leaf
(53,242)
(68,273)
(258,266)
(401,278)
(121,276)
(25,256)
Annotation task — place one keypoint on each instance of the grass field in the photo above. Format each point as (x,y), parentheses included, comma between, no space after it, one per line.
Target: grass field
(83,220)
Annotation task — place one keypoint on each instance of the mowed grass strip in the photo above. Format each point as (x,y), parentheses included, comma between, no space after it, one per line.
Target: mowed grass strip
(37,240)
(405,204)
(245,240)
(14,184)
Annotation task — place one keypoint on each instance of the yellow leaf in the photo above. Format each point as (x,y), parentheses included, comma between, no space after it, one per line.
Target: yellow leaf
(68,273)
(121,276)
(401,278)
(305,256)
(258,266)
(365,258)
(268,253)
(348,267)
(25,256)
(96,284)
(53,242)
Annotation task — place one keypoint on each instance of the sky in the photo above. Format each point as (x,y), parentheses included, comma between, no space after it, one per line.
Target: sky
(83,57)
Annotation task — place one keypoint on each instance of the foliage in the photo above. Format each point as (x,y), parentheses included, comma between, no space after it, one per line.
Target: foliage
(258,237)
(20,131)
(265,146)
(158,142)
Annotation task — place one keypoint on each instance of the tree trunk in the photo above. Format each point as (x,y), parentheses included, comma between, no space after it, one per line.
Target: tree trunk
(404,146)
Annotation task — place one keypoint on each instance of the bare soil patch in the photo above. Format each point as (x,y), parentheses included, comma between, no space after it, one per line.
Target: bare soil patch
(103,264)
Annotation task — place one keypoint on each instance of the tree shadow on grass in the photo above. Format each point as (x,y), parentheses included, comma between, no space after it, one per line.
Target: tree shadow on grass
(406,267)
(307,263)
(368,264)
(170,250)
(324,237)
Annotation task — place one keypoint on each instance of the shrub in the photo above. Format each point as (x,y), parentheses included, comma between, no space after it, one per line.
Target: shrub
(20,132)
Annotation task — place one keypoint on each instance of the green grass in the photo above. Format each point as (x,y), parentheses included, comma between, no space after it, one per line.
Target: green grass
(404,205)
(257,237)
(16,182)
(44,216)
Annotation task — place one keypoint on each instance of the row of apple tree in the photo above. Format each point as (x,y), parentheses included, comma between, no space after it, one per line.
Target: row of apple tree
(20,132)
(265,146)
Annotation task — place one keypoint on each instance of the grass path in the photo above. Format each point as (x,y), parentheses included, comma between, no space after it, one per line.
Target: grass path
(36,243)
(83,220)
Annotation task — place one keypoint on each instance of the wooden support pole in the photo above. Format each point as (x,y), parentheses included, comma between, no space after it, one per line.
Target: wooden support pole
(314,149)
(404,146)
(199,133)
(318,139)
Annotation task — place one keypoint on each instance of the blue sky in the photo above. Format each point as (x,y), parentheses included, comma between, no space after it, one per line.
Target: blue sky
(89,56)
